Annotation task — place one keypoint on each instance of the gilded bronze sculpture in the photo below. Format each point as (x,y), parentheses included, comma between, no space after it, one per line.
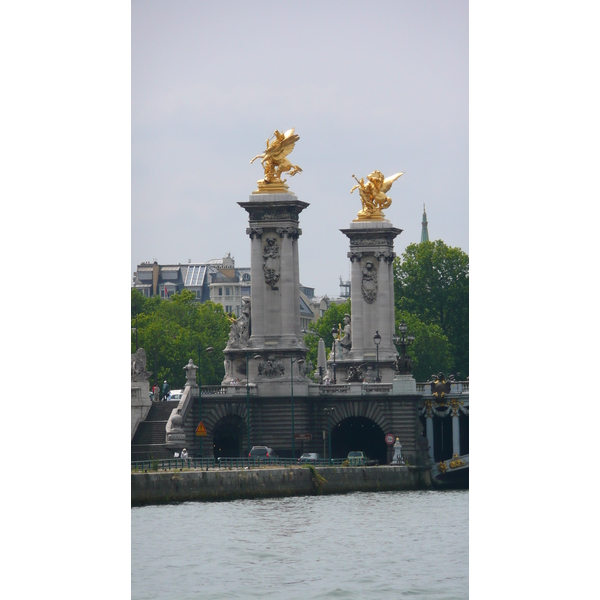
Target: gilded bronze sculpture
(372,195)
(275,163)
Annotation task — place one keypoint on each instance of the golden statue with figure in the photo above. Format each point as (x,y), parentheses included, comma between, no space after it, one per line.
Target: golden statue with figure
(372,195)
(274,161)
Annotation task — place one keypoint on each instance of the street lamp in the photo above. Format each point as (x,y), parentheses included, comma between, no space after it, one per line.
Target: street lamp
(248,402)
(292,361)
(377,340)
(404,340)
(328,412)
(333,333)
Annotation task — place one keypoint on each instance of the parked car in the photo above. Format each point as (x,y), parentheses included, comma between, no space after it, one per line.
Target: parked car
(309,457)
(262,452)
(359,458)
(175,395)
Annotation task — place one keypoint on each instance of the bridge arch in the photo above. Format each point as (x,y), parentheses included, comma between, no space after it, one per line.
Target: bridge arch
(359,426)
(226,425)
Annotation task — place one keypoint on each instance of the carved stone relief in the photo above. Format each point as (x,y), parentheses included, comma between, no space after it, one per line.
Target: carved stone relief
(355,256)
(387,256)
(271,368)
(138,366)
(292,232)
(254,231)
(271,264)
(369,282)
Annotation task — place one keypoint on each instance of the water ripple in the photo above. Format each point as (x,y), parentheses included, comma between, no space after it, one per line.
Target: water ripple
(386,545)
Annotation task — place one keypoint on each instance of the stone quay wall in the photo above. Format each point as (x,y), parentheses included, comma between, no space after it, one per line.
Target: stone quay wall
(216,485)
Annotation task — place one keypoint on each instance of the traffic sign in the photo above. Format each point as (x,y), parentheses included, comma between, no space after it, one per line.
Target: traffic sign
(389,439)
(306,437)
(201,430)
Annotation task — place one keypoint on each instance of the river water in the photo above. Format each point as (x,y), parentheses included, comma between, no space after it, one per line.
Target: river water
(365,546)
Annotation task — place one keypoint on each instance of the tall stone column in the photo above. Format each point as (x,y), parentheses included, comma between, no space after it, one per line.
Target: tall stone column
(372,292)
(273,228)
(258,317)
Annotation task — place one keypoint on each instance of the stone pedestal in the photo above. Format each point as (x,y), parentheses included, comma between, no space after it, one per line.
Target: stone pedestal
(274,333)
(372,293)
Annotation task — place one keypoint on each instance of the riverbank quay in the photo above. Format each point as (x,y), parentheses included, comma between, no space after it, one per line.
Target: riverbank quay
(156,487)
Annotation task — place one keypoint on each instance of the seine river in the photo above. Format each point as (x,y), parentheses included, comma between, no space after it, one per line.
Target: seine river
(365,546)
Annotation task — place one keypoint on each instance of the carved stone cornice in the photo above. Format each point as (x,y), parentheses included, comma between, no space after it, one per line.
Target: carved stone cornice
(254,231)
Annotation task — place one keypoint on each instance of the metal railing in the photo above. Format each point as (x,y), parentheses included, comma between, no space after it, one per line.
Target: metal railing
(169,464)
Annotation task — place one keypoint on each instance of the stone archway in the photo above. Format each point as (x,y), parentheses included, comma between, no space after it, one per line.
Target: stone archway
(359,433)
(227,429)
(227,437)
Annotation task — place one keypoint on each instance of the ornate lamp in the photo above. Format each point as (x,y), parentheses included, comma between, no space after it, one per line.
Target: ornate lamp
(403,365)
(377,341)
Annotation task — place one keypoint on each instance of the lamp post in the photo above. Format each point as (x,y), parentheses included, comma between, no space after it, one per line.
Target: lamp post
(333,333)
(200,349)
(377,341)
(248,402)
(328,412)
(403,340)
(292,361)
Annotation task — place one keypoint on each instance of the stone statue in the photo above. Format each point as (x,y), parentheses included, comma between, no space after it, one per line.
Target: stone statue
(346,340)
(274,159)
(271,261)
(239,331)
(138,366)
(190,372)
(372,195)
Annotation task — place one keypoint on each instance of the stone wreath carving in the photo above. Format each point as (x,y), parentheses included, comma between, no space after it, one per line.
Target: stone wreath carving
(271,368)
(369,282)
(355,256)
(271,262)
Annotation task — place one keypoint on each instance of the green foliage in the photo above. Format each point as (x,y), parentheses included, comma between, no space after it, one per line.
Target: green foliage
(431,282)
(317,481)
(333,317)
(431,351)
(173,331)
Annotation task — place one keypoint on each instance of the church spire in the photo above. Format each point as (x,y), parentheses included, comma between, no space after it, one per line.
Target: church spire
(424,232)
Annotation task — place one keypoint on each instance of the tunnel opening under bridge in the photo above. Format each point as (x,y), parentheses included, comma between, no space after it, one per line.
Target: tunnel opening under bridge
(358,433)
(227,439)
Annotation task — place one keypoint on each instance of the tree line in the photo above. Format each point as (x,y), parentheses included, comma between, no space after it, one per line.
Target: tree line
(431,290)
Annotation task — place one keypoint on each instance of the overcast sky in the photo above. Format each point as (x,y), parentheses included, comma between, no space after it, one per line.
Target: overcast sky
(367,85)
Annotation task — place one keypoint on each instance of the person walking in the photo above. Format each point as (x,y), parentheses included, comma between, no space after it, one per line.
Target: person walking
(165,391)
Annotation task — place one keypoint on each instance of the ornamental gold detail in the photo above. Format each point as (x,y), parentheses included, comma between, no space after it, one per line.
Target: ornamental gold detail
(274,162)
(443,467)
(372,195)
(459,462)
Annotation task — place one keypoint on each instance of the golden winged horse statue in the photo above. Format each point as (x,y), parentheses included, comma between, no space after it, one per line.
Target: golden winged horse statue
(274,160)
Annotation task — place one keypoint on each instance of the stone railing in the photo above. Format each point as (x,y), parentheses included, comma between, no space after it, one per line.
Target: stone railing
(175,435)
(228,390)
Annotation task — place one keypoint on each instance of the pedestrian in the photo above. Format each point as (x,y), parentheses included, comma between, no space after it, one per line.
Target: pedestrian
(155,393)
(165,391)
(184,454)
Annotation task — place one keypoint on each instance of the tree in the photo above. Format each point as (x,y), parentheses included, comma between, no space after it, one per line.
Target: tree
(431,281)
(333,317)
(431,351)
(175,330)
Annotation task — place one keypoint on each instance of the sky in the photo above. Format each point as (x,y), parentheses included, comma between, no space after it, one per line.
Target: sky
(367,85)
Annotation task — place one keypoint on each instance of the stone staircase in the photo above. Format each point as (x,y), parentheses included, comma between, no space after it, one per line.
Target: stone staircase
(149,439)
